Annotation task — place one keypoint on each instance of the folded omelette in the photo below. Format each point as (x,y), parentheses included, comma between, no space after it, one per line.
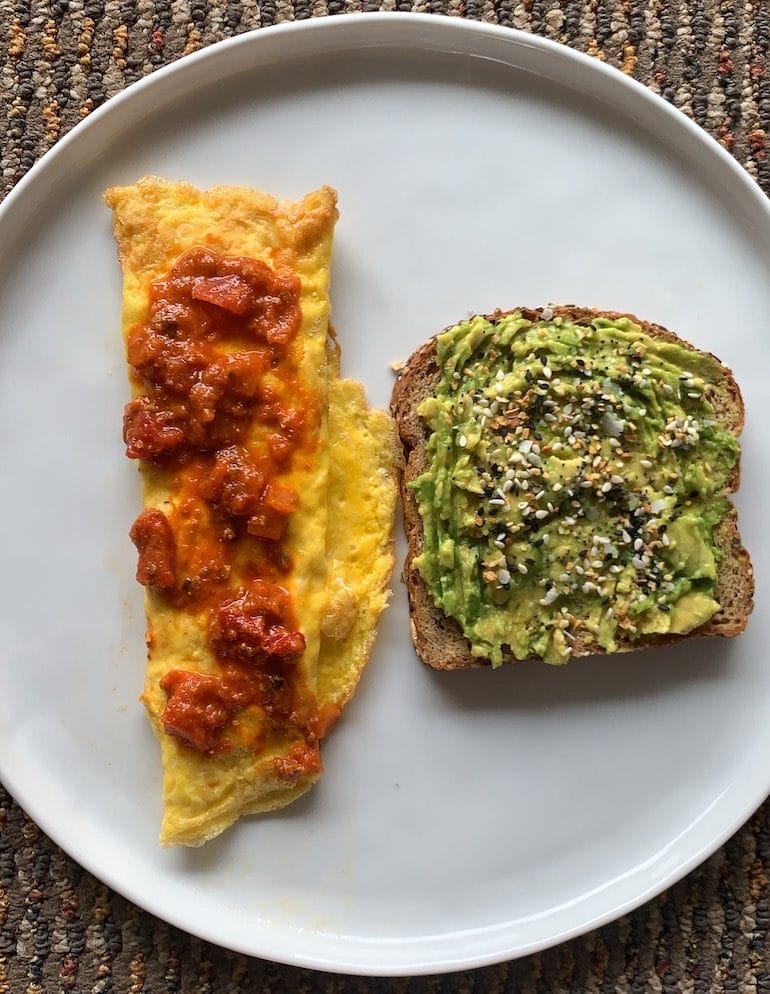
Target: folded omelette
(268,488)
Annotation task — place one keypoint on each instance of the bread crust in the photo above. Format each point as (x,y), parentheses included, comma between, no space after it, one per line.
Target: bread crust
(438,639)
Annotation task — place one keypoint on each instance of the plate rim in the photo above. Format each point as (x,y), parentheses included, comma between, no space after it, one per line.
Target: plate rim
(332,26)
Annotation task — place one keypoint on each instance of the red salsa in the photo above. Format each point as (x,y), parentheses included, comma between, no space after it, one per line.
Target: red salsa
(221,413)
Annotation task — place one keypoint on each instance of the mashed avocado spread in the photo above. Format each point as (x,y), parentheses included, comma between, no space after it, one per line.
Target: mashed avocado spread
(575,477)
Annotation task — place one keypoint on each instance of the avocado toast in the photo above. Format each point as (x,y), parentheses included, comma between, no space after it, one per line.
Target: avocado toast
(566,489)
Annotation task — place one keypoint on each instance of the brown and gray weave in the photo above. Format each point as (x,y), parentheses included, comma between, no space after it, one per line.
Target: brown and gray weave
(61,930)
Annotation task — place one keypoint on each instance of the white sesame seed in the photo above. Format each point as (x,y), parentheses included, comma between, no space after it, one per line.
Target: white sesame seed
(638,543)
(646,463)
(462,441)
(615,568)
(542,513)
(606,487)
(665,539)
(617,480)
(504,576)
(522,569)
(550,597)
(564,578)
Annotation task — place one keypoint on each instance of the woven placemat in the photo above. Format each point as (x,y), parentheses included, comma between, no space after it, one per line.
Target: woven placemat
(60,929)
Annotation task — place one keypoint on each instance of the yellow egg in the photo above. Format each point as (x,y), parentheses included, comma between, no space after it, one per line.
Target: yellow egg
(339,538)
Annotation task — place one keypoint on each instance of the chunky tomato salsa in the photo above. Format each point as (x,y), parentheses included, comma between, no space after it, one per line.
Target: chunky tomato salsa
(221,412)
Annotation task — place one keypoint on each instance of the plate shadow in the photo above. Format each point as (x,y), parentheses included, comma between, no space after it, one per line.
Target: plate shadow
(535,686)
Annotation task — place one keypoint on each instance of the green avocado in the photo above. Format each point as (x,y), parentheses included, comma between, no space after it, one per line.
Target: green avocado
(576,474)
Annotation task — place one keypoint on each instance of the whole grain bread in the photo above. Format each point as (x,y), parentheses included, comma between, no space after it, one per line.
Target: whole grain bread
(438,638)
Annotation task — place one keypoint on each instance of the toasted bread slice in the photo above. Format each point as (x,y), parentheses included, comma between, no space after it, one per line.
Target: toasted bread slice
(438,638)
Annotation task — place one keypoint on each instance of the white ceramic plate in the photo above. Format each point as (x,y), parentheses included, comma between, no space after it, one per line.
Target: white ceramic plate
(464,818)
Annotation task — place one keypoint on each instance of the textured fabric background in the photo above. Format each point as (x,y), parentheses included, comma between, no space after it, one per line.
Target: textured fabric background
(61,930)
